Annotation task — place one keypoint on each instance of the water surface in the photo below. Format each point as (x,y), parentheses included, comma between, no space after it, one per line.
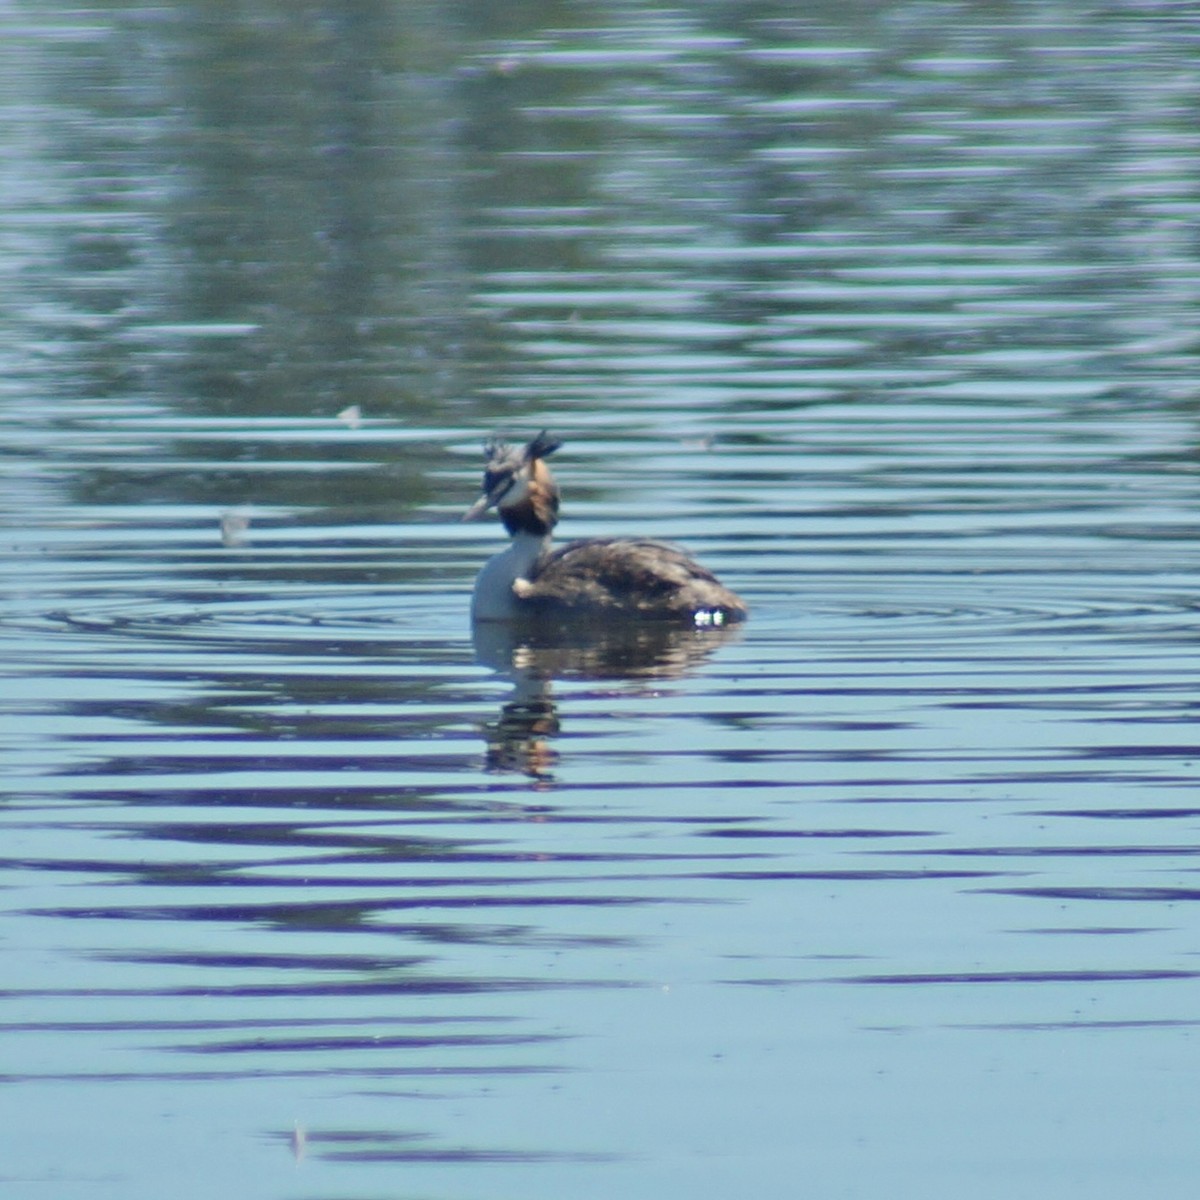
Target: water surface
(888,314)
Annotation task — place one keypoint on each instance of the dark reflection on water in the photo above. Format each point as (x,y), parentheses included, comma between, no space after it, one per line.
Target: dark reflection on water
(385,1145)
(888,312)
(532,656)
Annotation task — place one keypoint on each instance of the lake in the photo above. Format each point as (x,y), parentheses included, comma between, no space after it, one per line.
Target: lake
(888,313)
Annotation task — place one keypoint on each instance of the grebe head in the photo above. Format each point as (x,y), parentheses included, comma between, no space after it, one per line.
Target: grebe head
(517,482)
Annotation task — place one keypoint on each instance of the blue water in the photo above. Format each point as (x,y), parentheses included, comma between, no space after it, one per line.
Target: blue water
(887,315)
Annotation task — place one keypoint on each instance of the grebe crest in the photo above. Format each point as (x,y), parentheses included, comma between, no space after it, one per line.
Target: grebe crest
(616,578)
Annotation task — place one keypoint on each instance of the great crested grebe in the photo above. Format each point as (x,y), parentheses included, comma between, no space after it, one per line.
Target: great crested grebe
(598,577)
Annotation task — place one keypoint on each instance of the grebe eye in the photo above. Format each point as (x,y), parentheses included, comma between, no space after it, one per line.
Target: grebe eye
(498,486)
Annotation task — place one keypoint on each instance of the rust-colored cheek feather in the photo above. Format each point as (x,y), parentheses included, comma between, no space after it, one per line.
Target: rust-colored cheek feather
(537,512)
(543,494)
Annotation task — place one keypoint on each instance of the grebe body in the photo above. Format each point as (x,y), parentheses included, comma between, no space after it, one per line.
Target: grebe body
(615,578)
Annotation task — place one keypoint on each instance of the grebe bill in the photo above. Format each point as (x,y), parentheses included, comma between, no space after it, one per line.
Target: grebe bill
(595,578)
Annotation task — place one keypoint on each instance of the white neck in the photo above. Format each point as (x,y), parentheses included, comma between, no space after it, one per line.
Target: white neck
(493,599)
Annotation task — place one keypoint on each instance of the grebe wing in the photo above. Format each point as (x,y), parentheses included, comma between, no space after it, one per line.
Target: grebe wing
(634,562)
(636,576)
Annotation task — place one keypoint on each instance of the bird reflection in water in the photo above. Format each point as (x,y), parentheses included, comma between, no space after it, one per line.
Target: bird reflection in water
(534,655)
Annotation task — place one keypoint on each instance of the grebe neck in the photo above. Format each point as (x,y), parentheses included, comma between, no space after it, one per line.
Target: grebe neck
(494,598)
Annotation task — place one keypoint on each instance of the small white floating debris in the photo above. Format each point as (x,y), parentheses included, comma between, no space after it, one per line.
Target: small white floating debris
(351,417)
(234,523)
